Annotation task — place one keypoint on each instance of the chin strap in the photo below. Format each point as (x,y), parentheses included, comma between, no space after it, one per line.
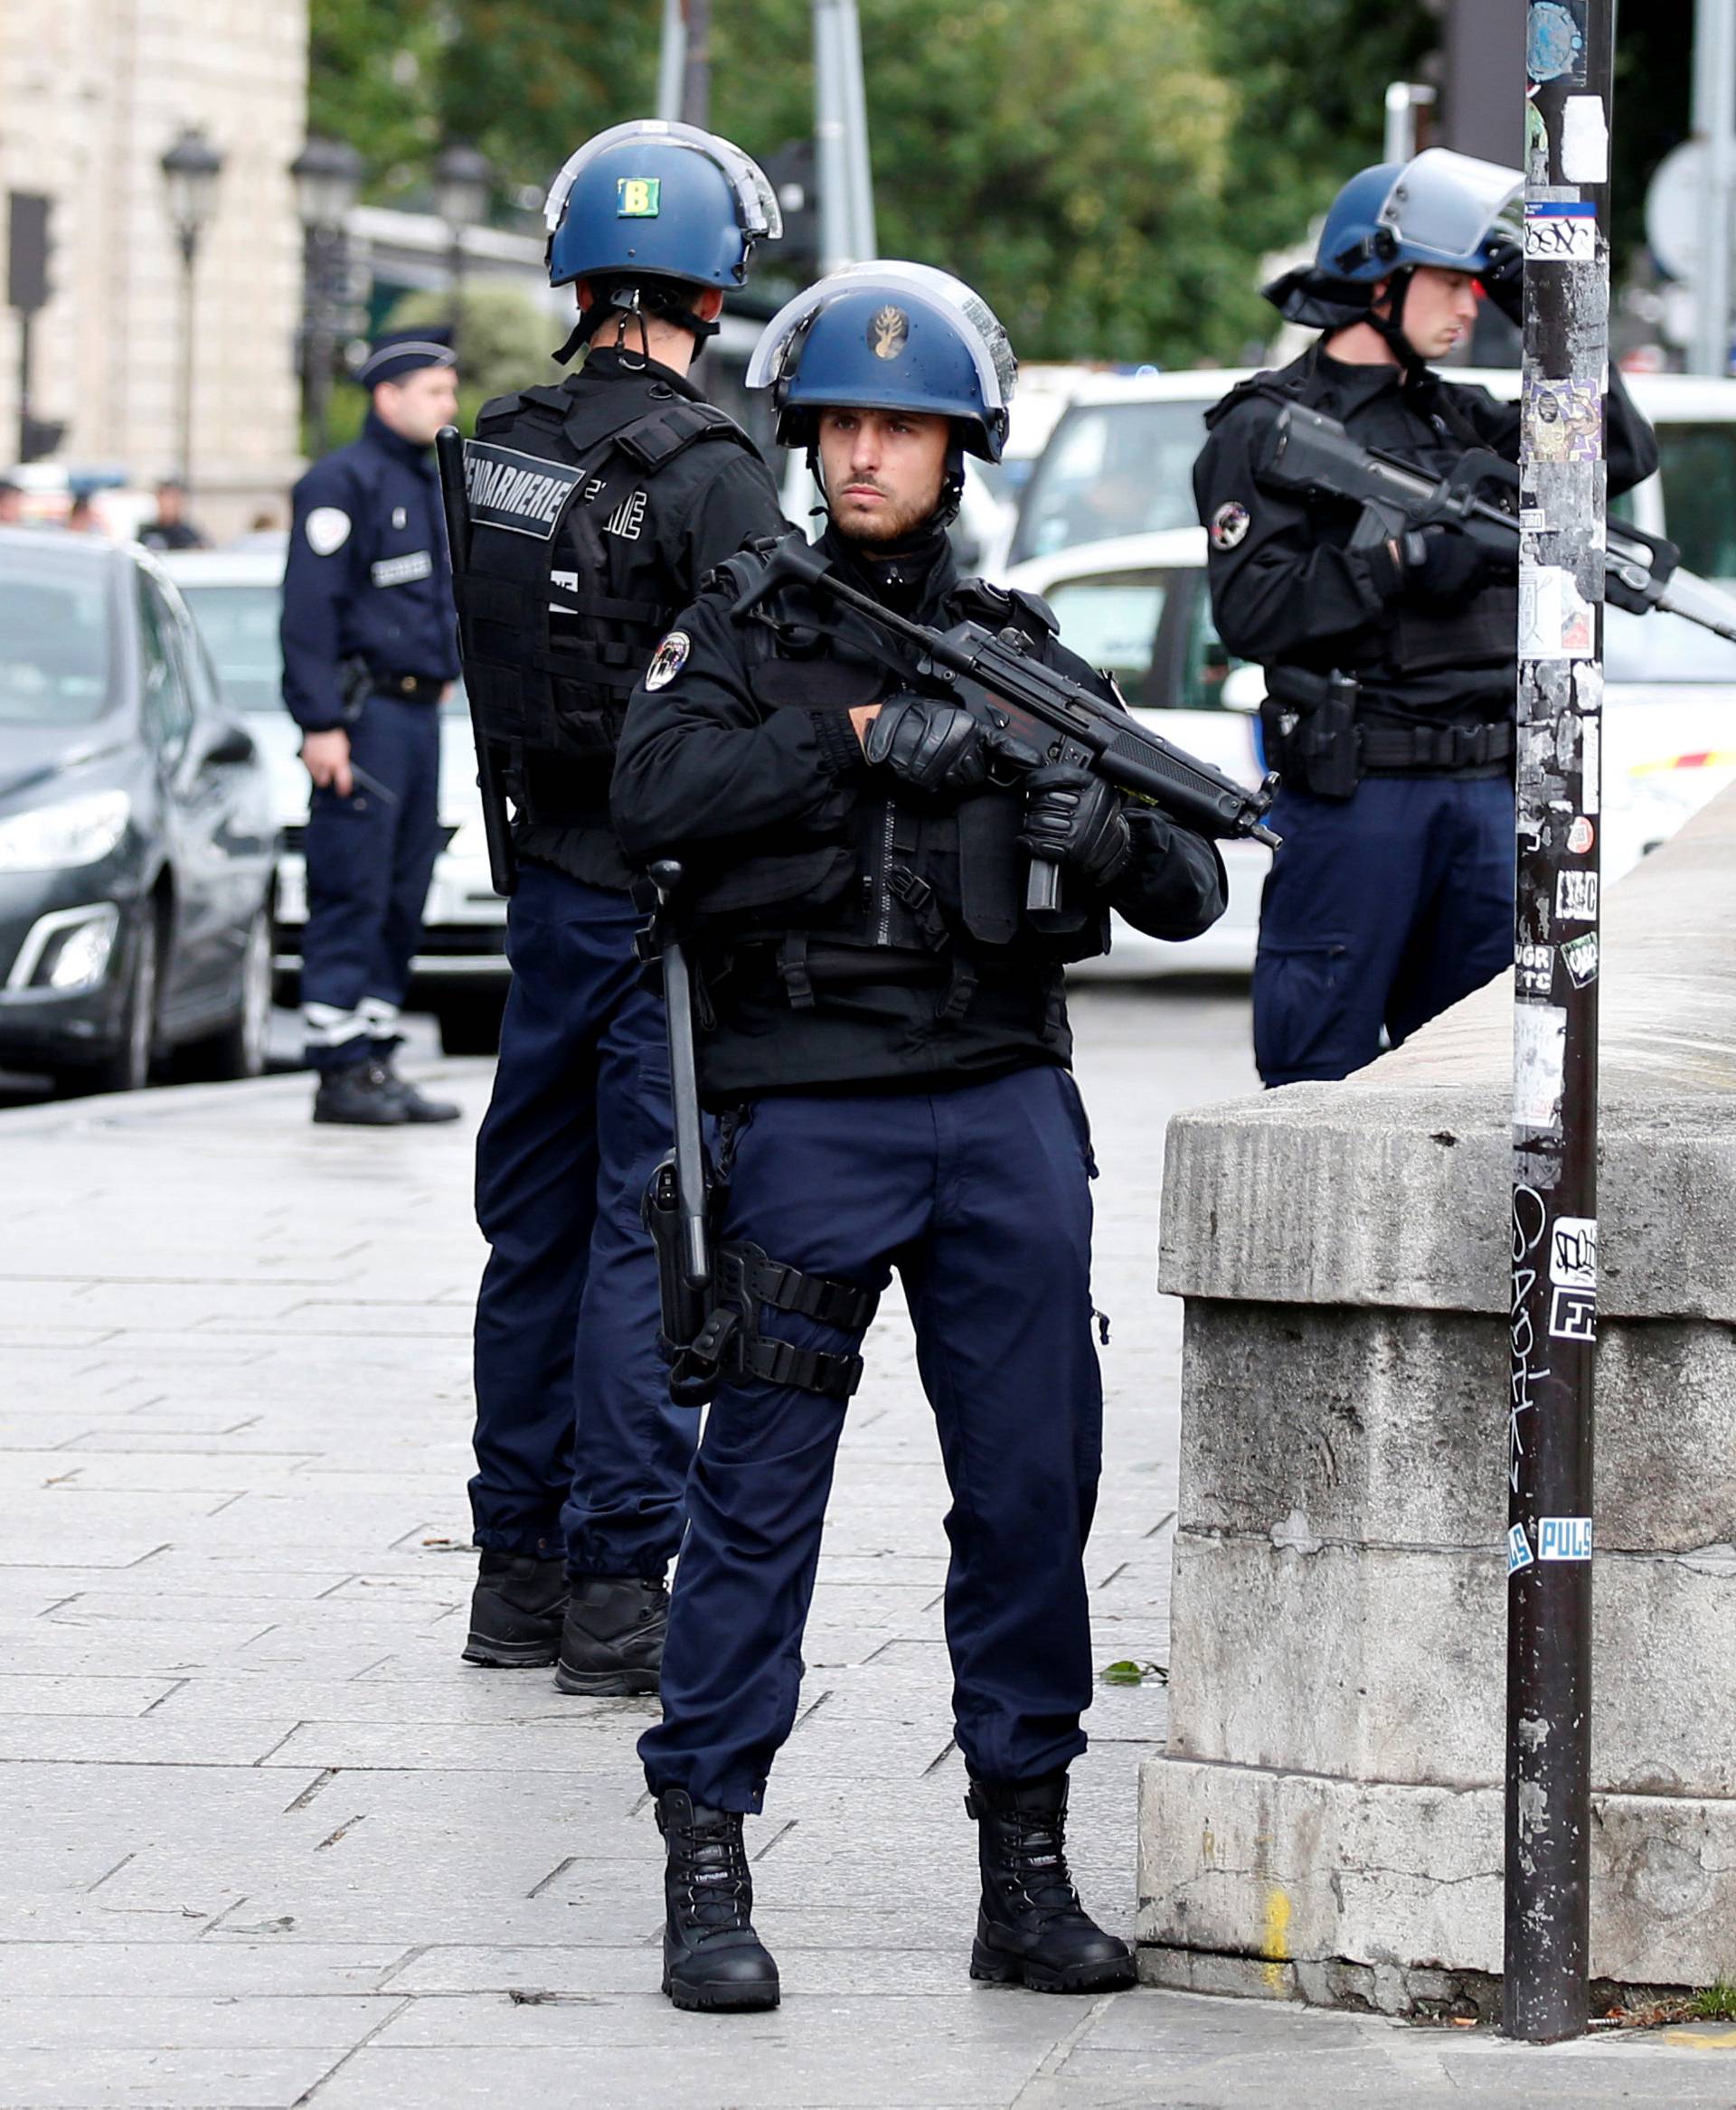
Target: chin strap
(1391,326)
(620,302)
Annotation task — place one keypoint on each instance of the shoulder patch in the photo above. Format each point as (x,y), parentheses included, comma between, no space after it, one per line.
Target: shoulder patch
(327,529)
(668,659)
(1229,524)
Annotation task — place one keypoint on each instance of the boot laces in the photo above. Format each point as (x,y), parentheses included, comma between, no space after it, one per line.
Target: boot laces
(718,1887)
(1037,1852)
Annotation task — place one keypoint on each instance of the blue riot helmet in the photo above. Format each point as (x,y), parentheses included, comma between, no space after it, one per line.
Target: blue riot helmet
(650,212)
(889,336)
(1446,211)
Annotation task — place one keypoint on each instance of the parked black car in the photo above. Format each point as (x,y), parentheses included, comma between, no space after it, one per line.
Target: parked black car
(136,835)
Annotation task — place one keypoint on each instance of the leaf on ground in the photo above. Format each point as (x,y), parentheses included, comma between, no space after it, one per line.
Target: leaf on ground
(1127,1673)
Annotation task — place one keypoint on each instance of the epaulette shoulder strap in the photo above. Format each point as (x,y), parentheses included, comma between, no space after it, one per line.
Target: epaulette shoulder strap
(661,435)
(1271,386)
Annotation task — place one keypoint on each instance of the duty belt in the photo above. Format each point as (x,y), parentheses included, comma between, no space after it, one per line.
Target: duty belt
(411,688)
(1435,747)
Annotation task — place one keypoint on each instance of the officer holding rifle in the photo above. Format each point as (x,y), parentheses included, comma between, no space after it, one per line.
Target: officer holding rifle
(1390,658)
(883,1032)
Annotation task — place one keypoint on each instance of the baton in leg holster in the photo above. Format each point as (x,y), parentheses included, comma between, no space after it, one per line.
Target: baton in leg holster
(711,1295)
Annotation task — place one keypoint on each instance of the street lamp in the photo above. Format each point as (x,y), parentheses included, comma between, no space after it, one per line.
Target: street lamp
(463,179)
(328,176)
(191,169)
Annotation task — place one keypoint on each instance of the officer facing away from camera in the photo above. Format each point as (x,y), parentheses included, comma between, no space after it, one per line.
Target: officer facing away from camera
(883,1028)
(595,510)
(1390,668)
(369,654)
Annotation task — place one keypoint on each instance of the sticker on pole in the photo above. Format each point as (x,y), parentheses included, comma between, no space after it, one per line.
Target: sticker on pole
(1555,619)
(1576,896)
(1561,232)
(1539,1059)
(1580,957)
(1563,1538)
(1574,1252)
(1573,1315)
(1519,1553)
(1561,421)
(1555,40)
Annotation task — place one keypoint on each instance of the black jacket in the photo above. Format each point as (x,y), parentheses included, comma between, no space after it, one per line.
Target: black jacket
(1285,590)
(660,535)
(849,932)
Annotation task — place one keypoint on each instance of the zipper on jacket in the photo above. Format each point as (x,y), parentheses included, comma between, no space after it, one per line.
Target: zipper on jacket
(883,893)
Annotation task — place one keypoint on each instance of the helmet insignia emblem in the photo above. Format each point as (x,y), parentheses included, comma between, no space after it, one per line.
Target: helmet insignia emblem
(637,197)
(889,330)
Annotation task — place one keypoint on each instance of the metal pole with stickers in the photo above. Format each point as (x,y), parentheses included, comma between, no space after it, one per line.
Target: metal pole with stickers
(1554,1228)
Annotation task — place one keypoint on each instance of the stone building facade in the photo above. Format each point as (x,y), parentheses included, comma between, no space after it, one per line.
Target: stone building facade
(91,94)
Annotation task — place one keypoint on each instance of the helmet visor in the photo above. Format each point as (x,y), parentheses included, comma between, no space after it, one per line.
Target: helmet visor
(1444,207)
(990,351)
(756,203)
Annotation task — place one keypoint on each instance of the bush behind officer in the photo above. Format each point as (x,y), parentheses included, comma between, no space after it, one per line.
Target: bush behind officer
(581,1458)
(369,652)
(883,1030)
(1392,896)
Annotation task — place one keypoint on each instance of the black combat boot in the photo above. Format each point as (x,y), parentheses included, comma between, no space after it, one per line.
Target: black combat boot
(516,1611)
(358,1095)
(612,1642)
(711,1957)
(419,1109)
(1031,1929)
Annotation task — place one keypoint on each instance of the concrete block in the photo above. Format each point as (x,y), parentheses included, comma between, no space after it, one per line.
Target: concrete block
(1388,1437)
(1312,1655)
(1283,1871)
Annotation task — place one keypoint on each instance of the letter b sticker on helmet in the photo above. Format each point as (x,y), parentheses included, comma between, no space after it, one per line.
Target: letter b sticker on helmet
(637,197)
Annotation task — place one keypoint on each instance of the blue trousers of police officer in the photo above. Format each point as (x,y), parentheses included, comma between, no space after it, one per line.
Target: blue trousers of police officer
(369,858)
(578,1450)
(980,1197)
(1381,910)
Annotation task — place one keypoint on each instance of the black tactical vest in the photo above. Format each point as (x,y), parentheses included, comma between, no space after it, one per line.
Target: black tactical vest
(881,885)
(549,668)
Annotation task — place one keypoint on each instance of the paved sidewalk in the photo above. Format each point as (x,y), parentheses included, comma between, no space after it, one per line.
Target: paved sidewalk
(267,1841)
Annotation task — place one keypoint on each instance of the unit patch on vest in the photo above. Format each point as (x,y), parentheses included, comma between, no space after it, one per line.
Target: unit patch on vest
(668,660)
(402,570)
(1229,524)
(520,492)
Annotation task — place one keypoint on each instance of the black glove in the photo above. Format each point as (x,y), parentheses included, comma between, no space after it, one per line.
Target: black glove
(1444,567)
(1502,280)
(1071,817)
(935,746)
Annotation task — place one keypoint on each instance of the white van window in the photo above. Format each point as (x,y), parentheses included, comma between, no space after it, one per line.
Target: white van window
(1111,469)
(1112,621)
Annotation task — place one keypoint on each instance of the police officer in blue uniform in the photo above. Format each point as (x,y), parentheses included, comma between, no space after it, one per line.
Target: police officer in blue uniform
(884,1033)
(370,649)
(595,510)
(1390,668)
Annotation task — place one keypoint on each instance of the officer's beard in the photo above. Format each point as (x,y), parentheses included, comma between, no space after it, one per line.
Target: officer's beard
(885,529)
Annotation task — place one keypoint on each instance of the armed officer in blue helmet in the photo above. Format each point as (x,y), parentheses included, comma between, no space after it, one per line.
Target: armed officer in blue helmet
(884,1031)
(597,507)
(369,651)
(1390,668)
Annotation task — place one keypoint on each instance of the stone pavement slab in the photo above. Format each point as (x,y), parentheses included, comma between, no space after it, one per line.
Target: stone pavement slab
(270,1842)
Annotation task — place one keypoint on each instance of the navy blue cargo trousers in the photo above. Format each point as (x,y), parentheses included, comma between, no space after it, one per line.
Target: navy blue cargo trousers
(980,1197)
(578,1450)
(370,857)
(1381,910)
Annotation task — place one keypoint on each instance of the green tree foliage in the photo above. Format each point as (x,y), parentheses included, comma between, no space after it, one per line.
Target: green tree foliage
(1108,172)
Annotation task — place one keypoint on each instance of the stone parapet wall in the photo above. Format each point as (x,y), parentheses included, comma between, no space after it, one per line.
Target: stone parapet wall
(1326,1822)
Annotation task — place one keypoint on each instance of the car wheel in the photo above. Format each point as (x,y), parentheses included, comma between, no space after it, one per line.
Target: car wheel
(470,1026)
(128,1068)
(238,1049)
